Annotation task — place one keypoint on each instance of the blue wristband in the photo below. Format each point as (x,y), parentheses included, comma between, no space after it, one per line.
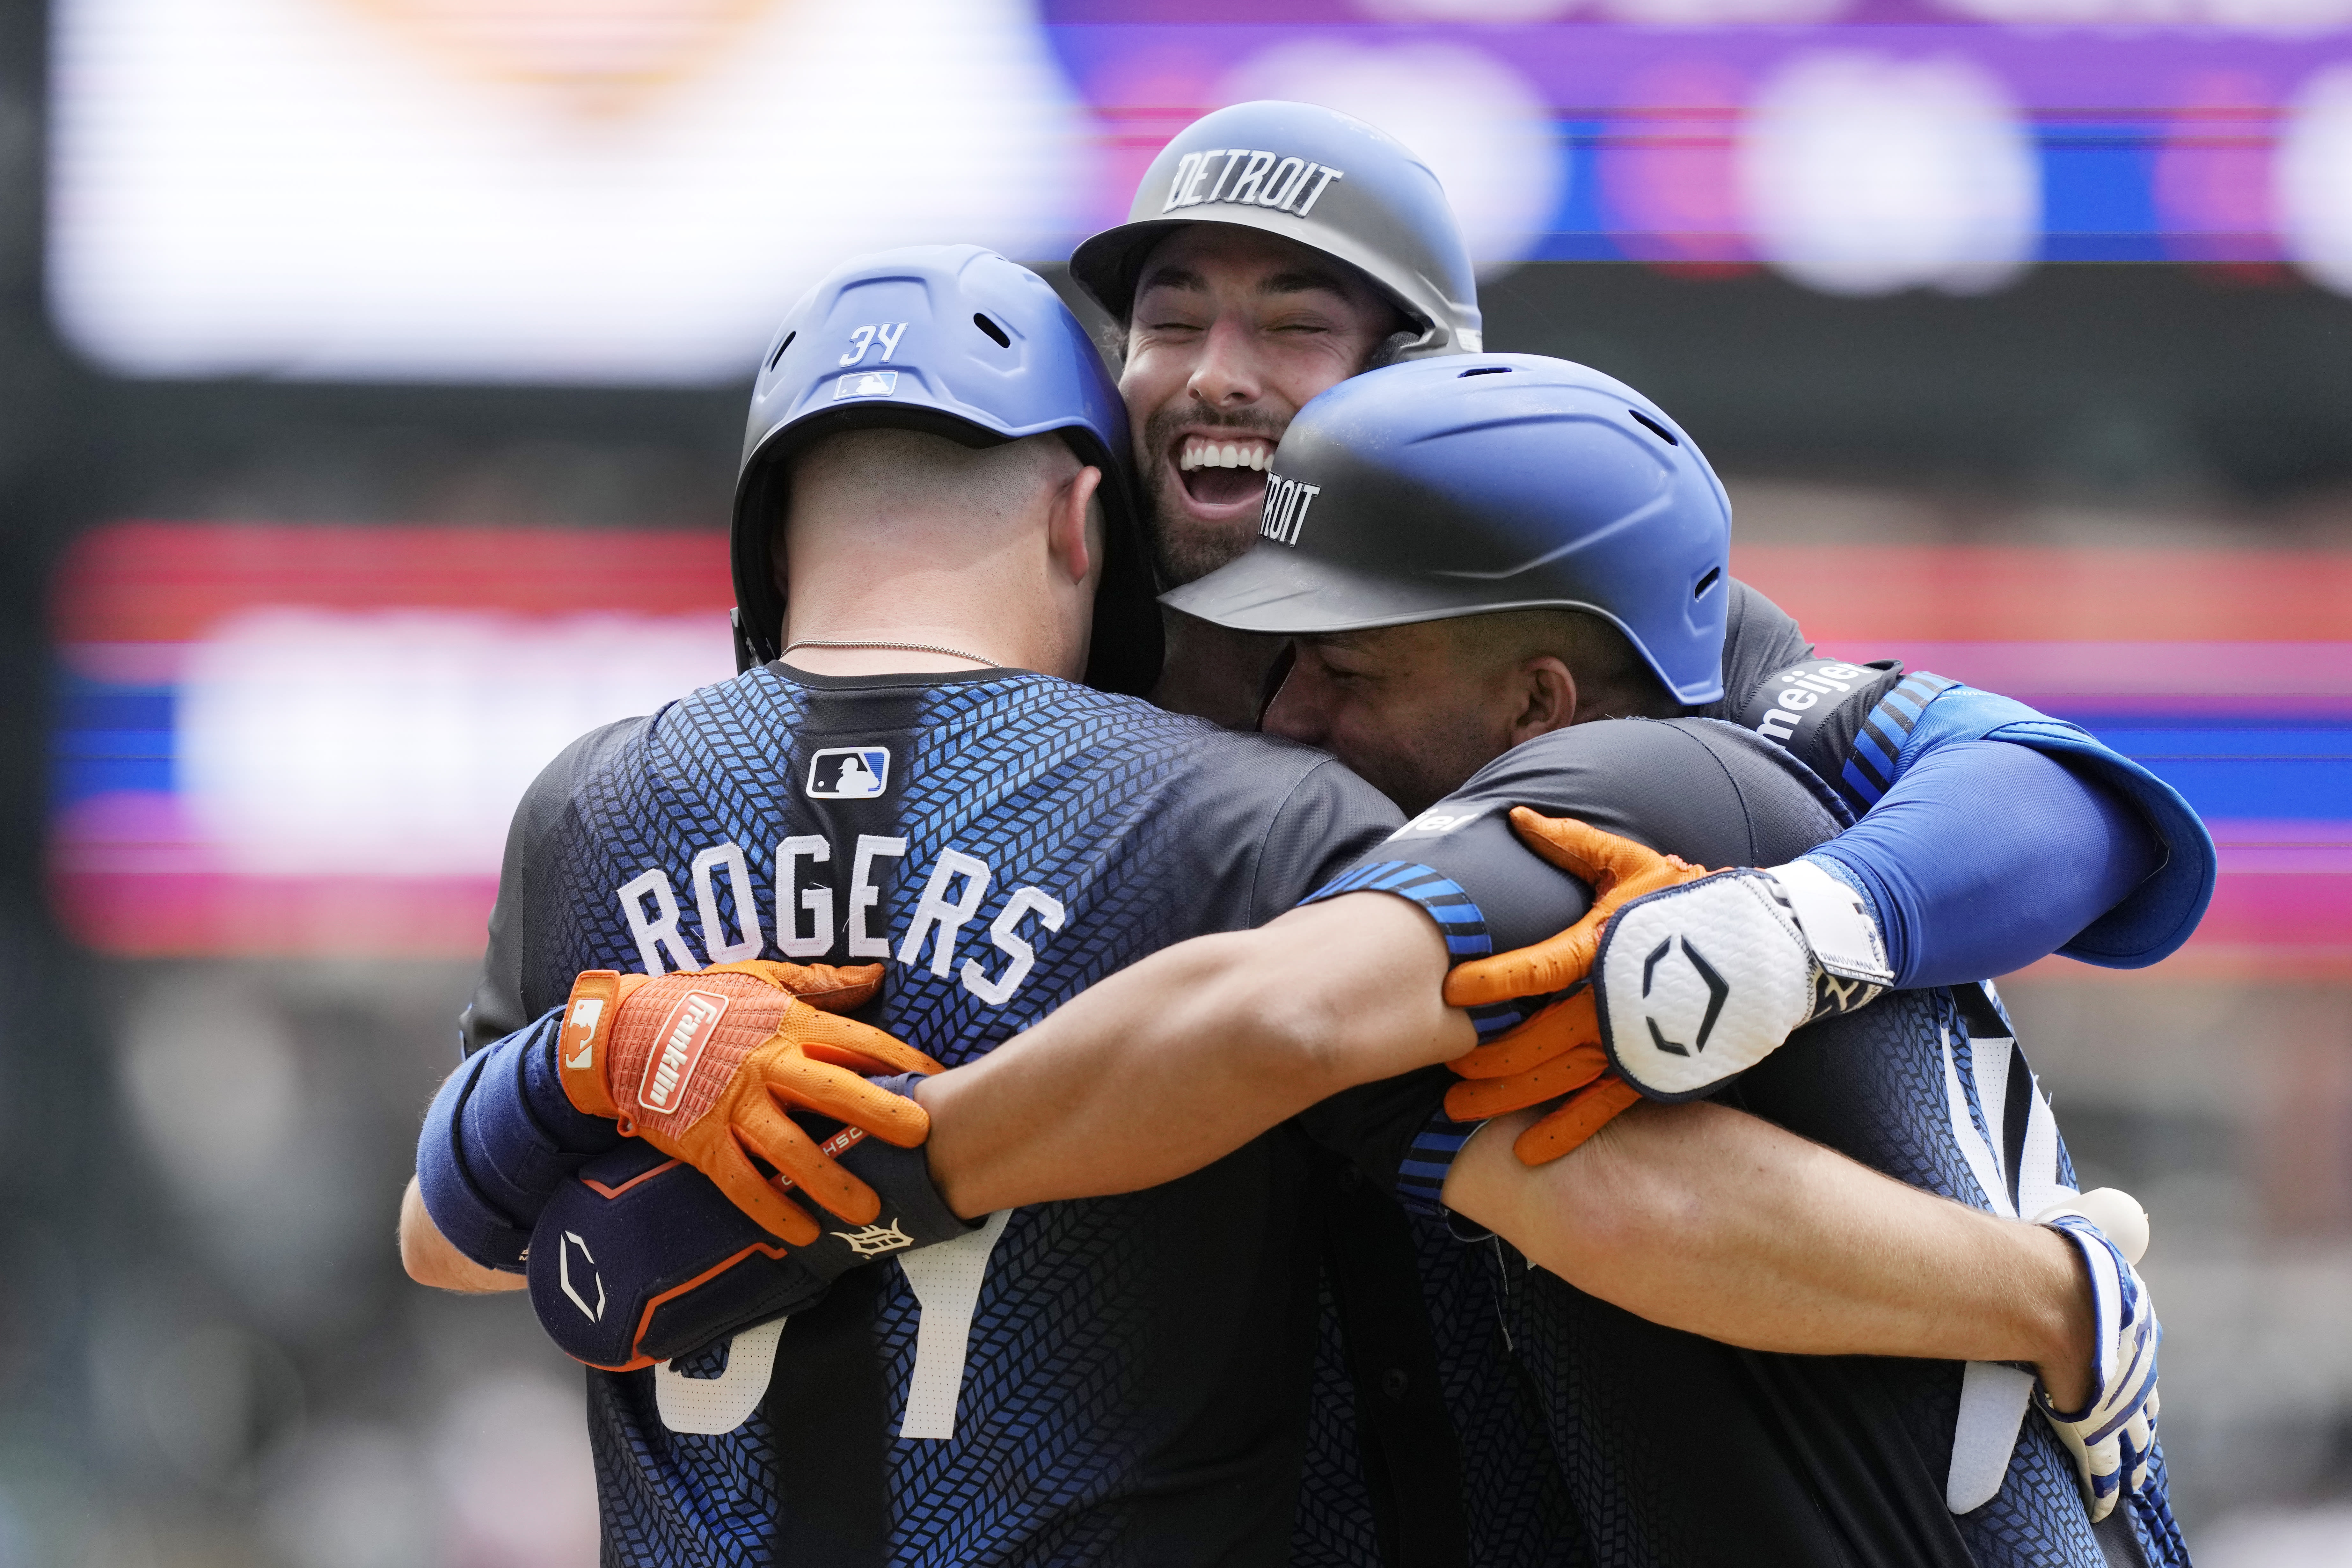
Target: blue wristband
(501,1138)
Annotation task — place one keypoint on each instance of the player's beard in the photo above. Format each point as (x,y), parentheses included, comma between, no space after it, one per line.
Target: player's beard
(1183,547)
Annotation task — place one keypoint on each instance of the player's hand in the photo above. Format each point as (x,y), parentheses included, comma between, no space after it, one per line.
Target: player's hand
(2113,1435)
(703,1066)
(1696,975)
(1616,870)
(1555,1052)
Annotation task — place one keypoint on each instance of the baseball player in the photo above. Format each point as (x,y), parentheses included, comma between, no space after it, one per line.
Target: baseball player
(651,923)
(1238,308)
(1805,1460)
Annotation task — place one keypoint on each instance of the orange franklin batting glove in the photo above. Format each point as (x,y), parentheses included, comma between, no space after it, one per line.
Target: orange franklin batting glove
(1617,870)
(1555,1052)
(1558,1051)
(704,1065)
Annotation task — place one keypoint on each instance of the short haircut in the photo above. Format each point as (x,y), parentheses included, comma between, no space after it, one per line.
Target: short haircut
(877,468)
(1612,680)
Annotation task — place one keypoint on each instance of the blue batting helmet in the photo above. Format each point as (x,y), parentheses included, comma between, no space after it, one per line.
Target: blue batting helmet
(1313,175)
(958,341)
(1458,487)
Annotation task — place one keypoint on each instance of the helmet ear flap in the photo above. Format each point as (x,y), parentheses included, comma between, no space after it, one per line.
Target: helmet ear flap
(1391,349)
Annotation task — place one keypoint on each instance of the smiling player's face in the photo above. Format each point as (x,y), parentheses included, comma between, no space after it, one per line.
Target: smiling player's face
(1233,331)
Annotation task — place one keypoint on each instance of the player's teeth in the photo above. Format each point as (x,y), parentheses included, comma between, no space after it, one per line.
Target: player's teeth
(1257,457)
(1233,458)
(1192,459)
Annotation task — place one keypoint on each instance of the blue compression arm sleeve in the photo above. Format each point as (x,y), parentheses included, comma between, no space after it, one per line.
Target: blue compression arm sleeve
(1984,856)
(2025,829)
(501,1138)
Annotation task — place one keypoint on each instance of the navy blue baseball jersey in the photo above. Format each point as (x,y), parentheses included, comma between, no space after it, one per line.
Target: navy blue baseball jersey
(1677,1449)
(1105,1380)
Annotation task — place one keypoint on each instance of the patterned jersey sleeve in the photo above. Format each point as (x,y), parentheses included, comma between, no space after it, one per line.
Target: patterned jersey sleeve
(1695,787)
(1325,822)
(520,916)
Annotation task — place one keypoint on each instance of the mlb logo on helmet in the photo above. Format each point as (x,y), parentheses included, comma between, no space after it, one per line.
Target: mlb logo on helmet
(848,772)
(866,384)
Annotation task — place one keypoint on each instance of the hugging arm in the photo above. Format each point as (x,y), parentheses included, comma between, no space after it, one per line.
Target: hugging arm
(1184,1057)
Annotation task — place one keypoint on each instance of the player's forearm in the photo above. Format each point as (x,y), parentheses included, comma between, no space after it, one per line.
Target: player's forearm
(1986,855)
(1711,1221)
(429,1258)
(1184,1058)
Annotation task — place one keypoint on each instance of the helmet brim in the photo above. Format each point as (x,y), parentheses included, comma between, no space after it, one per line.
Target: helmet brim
(1274,591)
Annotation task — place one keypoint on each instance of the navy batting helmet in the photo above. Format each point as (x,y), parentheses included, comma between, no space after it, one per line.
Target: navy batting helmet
(1313,175)
(1457,487)
(958,341)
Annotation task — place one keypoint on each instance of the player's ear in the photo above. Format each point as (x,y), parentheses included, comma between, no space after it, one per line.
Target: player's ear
(1547,697)
(1076,530)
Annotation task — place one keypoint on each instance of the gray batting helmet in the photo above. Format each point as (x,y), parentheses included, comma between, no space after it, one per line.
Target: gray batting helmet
(1458,487)
(1312,175)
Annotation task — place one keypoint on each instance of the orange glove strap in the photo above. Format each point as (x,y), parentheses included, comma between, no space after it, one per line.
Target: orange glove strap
(583,1047)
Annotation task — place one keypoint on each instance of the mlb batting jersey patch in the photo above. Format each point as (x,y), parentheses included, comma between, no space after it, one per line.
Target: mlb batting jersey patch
(848,772)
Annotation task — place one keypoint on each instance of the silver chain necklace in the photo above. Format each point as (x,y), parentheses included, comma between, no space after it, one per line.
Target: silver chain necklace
(901,646)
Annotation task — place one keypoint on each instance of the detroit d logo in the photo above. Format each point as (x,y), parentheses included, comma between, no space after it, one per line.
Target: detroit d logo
(876,1239)
(1684,996)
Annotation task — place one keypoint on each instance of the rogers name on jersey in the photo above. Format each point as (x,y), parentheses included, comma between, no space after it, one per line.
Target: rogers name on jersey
(807,927)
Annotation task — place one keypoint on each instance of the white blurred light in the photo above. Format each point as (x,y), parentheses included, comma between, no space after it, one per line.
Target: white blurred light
(624,191)
(1467,11)
(2314,176)
(212,1080)
(354,1497)
(2316,1537)
(518,1482)
(2292,17)
(398,743)
(1478,124)
(1722,13)
(1863,176)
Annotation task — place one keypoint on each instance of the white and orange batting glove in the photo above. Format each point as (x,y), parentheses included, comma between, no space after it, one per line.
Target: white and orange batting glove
(1695,976)
(704,1065)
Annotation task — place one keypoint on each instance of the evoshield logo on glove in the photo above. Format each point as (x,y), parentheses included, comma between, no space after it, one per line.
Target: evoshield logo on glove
(1717,991)
(683,1036)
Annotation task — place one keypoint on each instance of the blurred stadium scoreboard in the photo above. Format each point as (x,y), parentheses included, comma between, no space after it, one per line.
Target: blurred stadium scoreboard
(309,740)
(634,191)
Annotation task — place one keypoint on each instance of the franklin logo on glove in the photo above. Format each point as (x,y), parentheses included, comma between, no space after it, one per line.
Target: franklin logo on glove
(684,1034)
